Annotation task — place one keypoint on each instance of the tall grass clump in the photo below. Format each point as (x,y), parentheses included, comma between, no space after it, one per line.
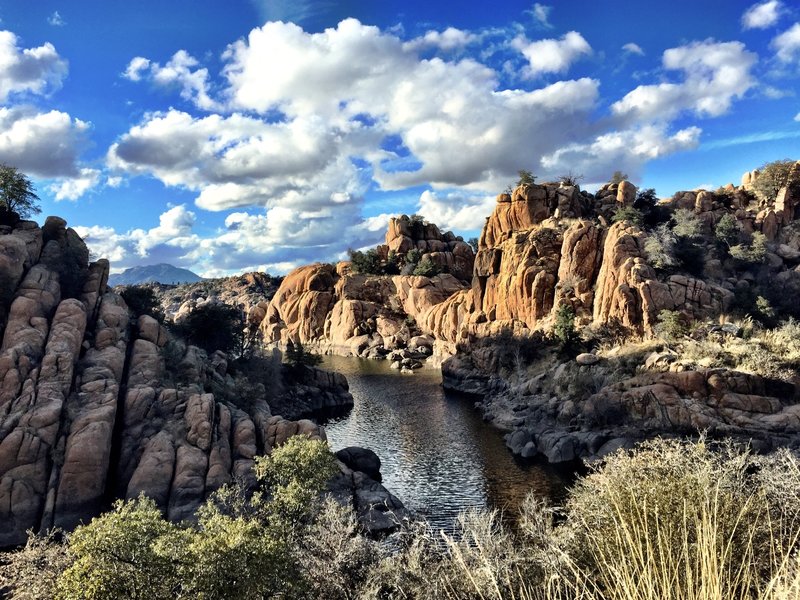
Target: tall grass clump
(684,521)
(671,520)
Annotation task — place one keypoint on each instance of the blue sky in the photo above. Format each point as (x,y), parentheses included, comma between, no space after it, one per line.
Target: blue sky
(263,134)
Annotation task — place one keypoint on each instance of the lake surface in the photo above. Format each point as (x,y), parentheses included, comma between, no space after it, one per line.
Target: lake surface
(437,454)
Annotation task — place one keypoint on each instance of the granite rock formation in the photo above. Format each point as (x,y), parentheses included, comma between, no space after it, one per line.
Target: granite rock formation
(96,405)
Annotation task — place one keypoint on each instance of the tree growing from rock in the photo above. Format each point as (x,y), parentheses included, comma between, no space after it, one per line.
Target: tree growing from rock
(525,177)
(619,177)
(214,327)
(771,178)
(16,193)
(297,356)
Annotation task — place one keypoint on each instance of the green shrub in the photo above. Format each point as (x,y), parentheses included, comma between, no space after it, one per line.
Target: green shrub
(427,268)
(670,325)
(366,263)
(214,327)
(297,356)
(295,473)
(115,555)
(686,223)
(564,326)
(660,247)
(629,214)
(142,300)
(525,178)
(753,253)
(727,230)
(243,546)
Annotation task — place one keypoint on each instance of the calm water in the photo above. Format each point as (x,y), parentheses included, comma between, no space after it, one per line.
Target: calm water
(437,455)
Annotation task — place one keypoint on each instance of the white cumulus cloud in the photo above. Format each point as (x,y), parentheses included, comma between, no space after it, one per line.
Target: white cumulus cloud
(41,144)
(72,188)
(34,70)
(715,73)
(762,15)
(553,55)
(787,44)
(455,209)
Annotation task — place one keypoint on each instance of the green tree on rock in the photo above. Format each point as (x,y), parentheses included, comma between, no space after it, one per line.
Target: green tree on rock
(16,193)
(298,356)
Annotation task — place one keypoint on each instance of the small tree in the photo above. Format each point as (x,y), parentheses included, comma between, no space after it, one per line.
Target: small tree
(727,230)
(771,178)
(570,178)
(660,247)
(564,327)
(525,177)
(297,356)
(16,193)
(214,327)
(687,224)
(142,300)
(619,177)
(629,214)
(645,199)
(427,268)
(366,263)
(474,243)
(752,253)
(670,325)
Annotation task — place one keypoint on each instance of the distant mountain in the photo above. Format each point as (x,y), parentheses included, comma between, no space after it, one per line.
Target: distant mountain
(162,273)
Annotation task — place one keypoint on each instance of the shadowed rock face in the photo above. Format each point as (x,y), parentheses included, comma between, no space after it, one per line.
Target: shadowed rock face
(95,406)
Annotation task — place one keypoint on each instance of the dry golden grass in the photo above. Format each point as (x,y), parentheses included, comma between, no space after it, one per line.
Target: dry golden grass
(671,521)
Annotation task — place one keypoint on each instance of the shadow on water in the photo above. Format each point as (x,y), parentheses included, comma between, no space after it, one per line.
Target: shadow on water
(437,454)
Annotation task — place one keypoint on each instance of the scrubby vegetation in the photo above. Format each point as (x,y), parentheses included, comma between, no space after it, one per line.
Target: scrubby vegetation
(142,300)
(215,327)
(670,520)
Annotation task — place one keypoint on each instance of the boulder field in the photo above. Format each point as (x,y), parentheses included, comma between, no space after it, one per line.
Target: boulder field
(96,405)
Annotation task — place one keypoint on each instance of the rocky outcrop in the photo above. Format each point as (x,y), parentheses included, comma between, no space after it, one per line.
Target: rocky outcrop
(445,250)
(96,406)
(250,291)
(352,314)
(752,409)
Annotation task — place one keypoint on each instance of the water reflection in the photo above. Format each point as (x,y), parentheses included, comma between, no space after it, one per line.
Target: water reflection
(438,456)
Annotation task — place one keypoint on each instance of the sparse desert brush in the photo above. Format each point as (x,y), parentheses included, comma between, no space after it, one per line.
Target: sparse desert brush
(767,352)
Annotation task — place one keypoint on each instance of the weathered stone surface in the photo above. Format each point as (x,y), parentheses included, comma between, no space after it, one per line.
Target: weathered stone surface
(361,459)
(626,193)
(30,429)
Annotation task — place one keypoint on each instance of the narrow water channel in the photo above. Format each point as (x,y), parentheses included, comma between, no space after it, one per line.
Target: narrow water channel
(437,454)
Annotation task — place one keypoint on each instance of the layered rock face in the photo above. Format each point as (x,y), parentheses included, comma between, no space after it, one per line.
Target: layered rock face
(542,247)
(94,406)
